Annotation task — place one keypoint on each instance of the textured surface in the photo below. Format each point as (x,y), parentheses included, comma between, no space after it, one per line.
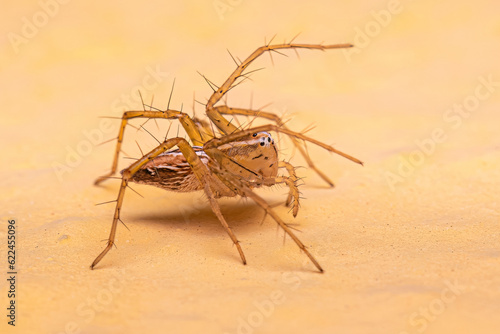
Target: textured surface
(409,242)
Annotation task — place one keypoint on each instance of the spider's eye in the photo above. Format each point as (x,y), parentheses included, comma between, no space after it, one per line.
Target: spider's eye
(262,143)
(255,135)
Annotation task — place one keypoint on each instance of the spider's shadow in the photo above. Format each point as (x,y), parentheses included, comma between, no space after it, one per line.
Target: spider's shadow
(244,218)
(241,216)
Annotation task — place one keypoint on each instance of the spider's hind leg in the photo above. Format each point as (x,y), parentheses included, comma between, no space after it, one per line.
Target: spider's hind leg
(244,189)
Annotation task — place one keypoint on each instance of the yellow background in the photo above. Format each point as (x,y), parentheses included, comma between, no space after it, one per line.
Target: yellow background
(390,247)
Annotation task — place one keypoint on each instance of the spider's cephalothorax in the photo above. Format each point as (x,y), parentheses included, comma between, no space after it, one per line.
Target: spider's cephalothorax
(252,158)
(229,164)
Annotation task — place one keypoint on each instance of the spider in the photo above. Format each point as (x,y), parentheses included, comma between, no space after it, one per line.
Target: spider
(229,164)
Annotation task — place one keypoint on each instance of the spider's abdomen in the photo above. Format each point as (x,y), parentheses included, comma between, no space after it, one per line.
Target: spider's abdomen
(171,171)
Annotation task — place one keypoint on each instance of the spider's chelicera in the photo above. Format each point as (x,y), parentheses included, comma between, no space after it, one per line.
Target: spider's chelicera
(230,163)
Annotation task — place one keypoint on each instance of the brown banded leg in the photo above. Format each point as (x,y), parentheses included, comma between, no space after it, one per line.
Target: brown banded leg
(225,110)
(223,124)
(192,129)
(200,170)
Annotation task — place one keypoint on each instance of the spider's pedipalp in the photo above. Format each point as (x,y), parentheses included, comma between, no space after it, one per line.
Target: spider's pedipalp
(293,193)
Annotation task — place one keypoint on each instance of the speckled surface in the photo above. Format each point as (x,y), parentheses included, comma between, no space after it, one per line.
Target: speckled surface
(409,242)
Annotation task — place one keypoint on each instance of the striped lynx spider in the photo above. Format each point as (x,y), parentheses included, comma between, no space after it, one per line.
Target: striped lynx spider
(228,164)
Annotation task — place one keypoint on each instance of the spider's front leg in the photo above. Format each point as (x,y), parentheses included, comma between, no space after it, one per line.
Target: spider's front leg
(243,187)
(199,169)
(262,203)
(225,110)
(193,129)
(247,133)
